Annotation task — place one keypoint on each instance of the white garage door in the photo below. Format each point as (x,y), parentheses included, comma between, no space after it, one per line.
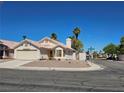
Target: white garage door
(27,54)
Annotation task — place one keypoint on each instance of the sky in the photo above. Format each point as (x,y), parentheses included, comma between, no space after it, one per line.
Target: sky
(100,23)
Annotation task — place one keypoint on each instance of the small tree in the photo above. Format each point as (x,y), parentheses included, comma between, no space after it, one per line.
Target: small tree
(95,54)
(121,46)
(78,45)
(122,40)
(110,49)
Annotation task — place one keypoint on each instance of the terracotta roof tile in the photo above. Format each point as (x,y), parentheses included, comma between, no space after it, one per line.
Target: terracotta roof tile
(12,44)
(9,43)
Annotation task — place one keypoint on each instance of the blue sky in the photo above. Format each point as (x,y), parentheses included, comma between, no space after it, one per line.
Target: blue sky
(100,22)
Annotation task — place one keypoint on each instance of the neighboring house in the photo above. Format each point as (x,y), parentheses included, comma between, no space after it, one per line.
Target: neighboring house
(44,49)
(7,48)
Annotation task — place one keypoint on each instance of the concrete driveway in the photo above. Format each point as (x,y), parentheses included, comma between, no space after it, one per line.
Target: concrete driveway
(13,63)
(5,60)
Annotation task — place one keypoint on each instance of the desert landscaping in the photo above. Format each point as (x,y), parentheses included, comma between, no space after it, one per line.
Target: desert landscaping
(55,63)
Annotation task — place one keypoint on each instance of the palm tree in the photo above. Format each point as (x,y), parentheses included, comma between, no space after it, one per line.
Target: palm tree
(76,32)
(24,37)
(53,36)
(76,44)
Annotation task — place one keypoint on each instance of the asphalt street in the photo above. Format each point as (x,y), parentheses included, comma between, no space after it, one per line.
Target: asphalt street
(111,78)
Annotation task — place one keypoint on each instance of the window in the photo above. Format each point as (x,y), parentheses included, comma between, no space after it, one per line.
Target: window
(59,53)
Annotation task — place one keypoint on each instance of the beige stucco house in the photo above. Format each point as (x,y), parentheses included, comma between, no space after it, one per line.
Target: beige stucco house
(7,48)
(45,48)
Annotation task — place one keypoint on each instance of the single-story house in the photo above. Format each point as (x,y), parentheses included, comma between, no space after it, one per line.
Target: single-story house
(45,48)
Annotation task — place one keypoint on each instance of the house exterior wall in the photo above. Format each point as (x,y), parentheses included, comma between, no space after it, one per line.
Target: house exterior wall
(68,54)
(68,42)
(62,53)
(26,52)
(47,43)
(11,53)
(74,56)
(44,54)
(29,51)
(82,56)
(6,51)
(32,50)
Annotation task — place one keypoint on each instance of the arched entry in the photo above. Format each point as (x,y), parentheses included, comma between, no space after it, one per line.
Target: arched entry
(4,51)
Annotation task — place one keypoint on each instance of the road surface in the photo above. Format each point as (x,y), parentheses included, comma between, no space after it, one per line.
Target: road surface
(109,79)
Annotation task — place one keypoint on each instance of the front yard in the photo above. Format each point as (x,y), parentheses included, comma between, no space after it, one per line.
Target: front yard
(56,63)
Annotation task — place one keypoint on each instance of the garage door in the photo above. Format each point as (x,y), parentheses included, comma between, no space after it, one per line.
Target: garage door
(27,54)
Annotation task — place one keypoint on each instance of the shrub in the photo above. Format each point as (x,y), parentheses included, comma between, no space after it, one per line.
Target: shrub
(121,46)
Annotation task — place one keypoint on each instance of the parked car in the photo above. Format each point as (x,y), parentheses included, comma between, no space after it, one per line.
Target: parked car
(112,58)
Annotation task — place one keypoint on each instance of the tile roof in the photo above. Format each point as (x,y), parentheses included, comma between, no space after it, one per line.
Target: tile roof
(13,45)
(30,41)
(57,42)
(10,44)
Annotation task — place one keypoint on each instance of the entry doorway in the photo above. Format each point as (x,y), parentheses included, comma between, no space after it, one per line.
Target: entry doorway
(50,54)
(4,51)
(1,54)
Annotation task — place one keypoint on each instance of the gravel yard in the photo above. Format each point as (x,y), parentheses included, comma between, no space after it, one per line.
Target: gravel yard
(56,63)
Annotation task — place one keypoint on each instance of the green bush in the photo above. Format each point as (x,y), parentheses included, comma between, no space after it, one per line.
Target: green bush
(121,46)
(110,49)
(113,49)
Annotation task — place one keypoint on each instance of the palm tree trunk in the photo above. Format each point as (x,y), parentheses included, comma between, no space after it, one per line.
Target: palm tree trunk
(76,36)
